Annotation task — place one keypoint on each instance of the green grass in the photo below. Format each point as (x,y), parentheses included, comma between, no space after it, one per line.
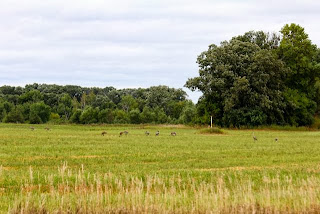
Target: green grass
(74,168)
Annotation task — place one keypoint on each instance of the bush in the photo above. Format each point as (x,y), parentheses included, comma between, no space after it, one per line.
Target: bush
(213,130)
(54,117)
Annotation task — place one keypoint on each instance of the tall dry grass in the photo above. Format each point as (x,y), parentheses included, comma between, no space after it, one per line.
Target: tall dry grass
(70,191)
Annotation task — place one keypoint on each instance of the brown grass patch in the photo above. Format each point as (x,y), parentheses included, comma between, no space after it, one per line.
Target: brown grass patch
(243,168)
(86,156)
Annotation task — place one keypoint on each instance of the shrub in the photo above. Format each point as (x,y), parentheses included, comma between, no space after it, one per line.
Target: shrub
(213,130)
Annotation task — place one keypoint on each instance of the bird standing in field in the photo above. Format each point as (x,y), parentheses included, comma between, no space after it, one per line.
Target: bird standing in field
(157,133)
(124,133)
(254,137)
(147,133)
(173,134)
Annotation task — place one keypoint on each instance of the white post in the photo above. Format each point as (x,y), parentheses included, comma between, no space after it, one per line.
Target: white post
(211,121)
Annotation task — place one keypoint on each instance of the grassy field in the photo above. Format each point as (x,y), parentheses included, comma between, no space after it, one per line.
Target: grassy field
(74,169)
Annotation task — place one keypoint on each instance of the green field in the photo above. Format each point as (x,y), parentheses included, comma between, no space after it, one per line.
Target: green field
(74,168)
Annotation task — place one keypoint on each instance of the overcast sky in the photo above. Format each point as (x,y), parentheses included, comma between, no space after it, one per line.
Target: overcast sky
(130,43)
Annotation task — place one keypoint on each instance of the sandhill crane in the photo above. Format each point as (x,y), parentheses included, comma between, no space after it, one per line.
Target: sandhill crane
(147,133)
(103,133)
(32,128)
(254,137)
(123,133)
(157,133)
(173,134)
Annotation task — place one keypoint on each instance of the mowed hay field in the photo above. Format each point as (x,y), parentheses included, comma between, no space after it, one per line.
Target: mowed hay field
(74,169)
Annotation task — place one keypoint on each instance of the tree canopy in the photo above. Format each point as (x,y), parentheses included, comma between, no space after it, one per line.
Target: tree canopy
(259,79)
(40,103)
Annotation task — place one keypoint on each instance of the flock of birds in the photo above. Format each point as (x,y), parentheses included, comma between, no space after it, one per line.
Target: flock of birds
(256,139)
(120,134)
(46,128)
(146,133)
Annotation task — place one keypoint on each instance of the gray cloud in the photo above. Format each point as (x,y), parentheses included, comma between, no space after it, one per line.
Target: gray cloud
(129,43)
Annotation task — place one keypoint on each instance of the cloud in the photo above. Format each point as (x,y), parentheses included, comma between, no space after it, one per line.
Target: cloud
(129,43)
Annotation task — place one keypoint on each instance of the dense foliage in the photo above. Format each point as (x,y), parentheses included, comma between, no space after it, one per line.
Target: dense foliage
(259,79)
(40,103)
(253,79)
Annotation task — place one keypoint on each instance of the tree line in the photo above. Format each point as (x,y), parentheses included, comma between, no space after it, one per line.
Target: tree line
(257,78)
(260,78)
(40,103)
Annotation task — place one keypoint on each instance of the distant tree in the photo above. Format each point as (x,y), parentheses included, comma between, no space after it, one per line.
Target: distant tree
(75,118)
(75,103)
(115,96)
(128,103)
(6,90)
(91,97)
(160,115)
(106,116)
(147,115)
(6,106)
(188,114)
(83,101)
(121,117)
(103,102)
(31,96)
(134,116)
(300,109)
(65,106)
(89,115)
(26,111)
(160,96)
(50,99)
(39,113)
(174,108)
(110,104)
(15,115)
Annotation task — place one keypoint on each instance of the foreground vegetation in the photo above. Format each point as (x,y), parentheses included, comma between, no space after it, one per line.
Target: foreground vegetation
(75,169)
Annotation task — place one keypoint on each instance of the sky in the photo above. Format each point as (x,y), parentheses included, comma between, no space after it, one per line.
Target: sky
(130,43)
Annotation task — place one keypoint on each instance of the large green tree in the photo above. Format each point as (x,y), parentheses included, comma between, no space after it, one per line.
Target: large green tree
(241,83)
(301,58)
